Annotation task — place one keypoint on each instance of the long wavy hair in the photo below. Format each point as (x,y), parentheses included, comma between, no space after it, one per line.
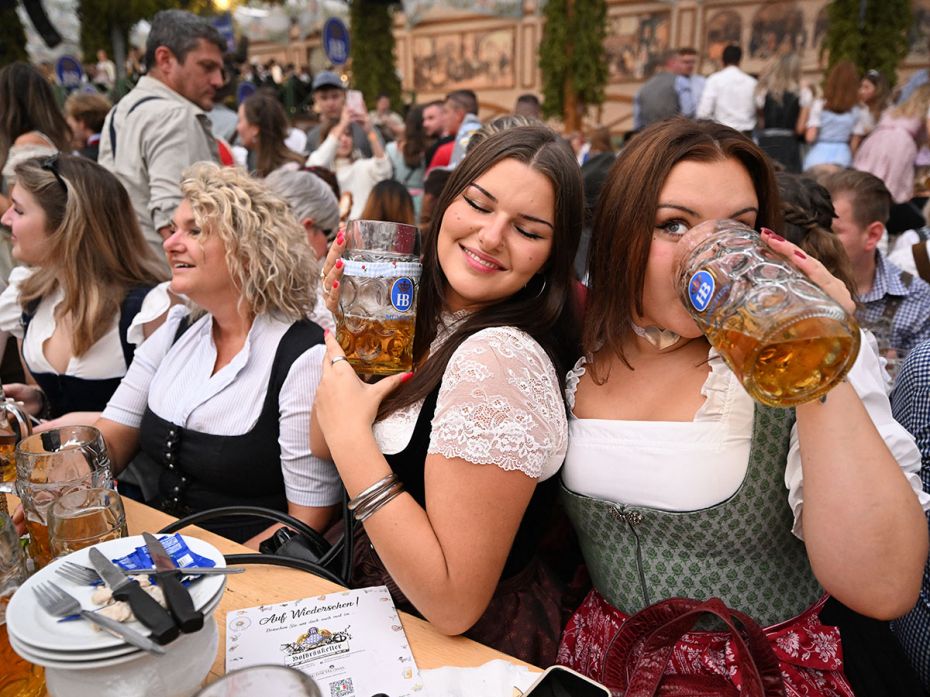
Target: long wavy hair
(27,103)
(841,88)
(266,112)
(625,218)
(782,75)
(95,250)
(389,200)
(546,308)
(267,253)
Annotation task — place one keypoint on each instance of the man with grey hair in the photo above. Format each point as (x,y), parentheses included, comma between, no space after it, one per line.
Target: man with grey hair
(161,126)
(311,201)
(315,206)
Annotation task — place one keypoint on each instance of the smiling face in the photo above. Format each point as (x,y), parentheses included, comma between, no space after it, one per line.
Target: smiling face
(198,262)
(692,192)
(495,236)
(29,225)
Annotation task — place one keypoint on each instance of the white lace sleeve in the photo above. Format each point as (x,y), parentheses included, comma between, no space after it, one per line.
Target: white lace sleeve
(500,404)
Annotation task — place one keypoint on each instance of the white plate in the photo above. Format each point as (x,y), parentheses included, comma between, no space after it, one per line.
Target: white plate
(112,657)
(31,625)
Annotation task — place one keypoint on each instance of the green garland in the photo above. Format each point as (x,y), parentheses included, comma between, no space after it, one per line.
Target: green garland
(372,50)
(12,37)
(571,54)
(875,39)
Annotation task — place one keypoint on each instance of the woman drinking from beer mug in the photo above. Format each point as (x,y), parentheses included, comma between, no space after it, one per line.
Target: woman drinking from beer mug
(676,480)
(462,451)
(218,398)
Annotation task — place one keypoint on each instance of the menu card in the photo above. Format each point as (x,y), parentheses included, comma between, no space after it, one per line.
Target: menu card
(351,643)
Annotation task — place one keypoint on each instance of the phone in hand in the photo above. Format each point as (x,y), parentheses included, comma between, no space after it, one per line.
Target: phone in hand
(559,681)
(355,101)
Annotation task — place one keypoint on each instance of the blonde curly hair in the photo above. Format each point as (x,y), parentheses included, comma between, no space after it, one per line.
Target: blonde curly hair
(267,253)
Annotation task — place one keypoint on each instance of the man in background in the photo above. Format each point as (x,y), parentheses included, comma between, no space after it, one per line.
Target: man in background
(729,94)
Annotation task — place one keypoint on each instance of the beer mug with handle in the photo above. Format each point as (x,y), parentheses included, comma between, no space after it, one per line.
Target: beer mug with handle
(377,300)
(51,464)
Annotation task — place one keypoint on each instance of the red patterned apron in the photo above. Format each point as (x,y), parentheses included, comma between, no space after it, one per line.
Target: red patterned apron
(809,653)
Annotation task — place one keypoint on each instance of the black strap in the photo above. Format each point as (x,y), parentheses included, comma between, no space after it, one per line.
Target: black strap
(894,302)
(113,119)
(132,305)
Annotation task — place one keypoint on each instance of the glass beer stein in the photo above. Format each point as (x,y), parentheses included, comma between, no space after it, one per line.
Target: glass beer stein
(377,300)
(18,677)
(785,339)
(51,464)
(14,426)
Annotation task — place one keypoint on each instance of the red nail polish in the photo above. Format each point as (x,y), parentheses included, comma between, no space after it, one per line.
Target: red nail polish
(801,255)
(405,377)
(335,285)
(325,333)
(339,264)
(340,238)
(766,231)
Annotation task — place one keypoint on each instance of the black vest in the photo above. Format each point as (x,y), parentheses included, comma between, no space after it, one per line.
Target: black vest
(67,393)
(202,471)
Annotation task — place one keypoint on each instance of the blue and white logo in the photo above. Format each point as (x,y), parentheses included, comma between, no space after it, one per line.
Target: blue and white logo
(336,41)
(701,290)
(402,294)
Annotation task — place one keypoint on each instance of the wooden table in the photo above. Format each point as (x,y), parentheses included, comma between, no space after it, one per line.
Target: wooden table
(273,584)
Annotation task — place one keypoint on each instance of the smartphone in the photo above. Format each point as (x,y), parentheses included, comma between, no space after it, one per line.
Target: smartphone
(355,101)
(559,681)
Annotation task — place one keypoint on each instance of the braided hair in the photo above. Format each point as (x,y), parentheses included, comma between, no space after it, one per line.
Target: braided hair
(808,212)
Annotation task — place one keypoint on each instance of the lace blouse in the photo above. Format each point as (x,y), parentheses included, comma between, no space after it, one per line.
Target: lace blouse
(499,403)
(688,466)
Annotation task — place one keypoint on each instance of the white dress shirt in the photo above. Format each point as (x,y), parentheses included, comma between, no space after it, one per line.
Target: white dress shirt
(729,99)
(176,381)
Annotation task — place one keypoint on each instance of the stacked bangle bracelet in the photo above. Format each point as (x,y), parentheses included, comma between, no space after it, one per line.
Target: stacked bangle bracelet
(374,497)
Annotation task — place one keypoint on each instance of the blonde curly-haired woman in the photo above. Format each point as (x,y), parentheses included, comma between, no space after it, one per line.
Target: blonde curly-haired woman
(219,397)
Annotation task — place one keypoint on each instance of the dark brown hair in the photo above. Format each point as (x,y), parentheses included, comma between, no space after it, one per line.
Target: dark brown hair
(546,308)
(389,200)
(263,110)
(27,103)
(841,89)
(625,217)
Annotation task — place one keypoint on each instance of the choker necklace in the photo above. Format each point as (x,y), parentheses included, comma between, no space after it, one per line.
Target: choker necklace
(658,337)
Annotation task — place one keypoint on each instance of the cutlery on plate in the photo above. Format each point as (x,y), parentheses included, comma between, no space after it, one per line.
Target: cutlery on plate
(82,575)
(59,603)
(168,576)
(144,606)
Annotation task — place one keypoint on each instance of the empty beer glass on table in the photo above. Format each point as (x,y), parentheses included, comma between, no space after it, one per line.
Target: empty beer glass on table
(84,517)
(377,300)
(18,678)
(51,464)
(785,339)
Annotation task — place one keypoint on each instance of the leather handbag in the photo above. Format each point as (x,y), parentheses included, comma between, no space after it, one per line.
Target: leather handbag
(638,656)
(301,547)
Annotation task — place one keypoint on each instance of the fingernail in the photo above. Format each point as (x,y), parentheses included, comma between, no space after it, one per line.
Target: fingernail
(325,333)
(340,238)
(766,231)
(338,264)
(405,377)
(335,285)
(801,255)
(776,236)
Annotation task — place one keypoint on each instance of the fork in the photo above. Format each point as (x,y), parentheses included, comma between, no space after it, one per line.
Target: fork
(59,603)
(82,575)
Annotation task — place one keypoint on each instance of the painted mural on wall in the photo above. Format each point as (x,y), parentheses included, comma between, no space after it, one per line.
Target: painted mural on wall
(470,60)
(635,45)
(919,36)
(777,27)
(723,28)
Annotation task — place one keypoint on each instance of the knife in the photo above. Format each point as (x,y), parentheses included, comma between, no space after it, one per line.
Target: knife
(144,607)
(192,571)
(169,578)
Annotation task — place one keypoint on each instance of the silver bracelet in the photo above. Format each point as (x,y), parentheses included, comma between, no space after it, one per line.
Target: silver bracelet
(377,488)
(383,500)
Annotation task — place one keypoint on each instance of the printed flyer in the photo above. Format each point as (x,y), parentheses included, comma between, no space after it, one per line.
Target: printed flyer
(351,643)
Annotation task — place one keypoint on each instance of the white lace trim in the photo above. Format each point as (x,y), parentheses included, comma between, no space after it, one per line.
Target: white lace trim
(499,404)
(718,389)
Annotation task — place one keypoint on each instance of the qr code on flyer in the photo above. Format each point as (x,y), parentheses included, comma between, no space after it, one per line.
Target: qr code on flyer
(341,688)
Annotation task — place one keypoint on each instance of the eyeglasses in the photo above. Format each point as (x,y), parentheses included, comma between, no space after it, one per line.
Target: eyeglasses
(50,164)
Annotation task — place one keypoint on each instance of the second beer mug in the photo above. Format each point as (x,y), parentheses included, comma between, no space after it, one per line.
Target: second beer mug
(377,300)
(785,339)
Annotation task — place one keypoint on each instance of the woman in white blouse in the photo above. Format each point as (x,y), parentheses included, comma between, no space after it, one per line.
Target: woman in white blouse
(475,434)
(679,485)
(357,175)
(75,303)
(218,399)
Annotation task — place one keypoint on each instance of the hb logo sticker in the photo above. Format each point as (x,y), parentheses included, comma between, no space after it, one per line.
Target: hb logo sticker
(402,294)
